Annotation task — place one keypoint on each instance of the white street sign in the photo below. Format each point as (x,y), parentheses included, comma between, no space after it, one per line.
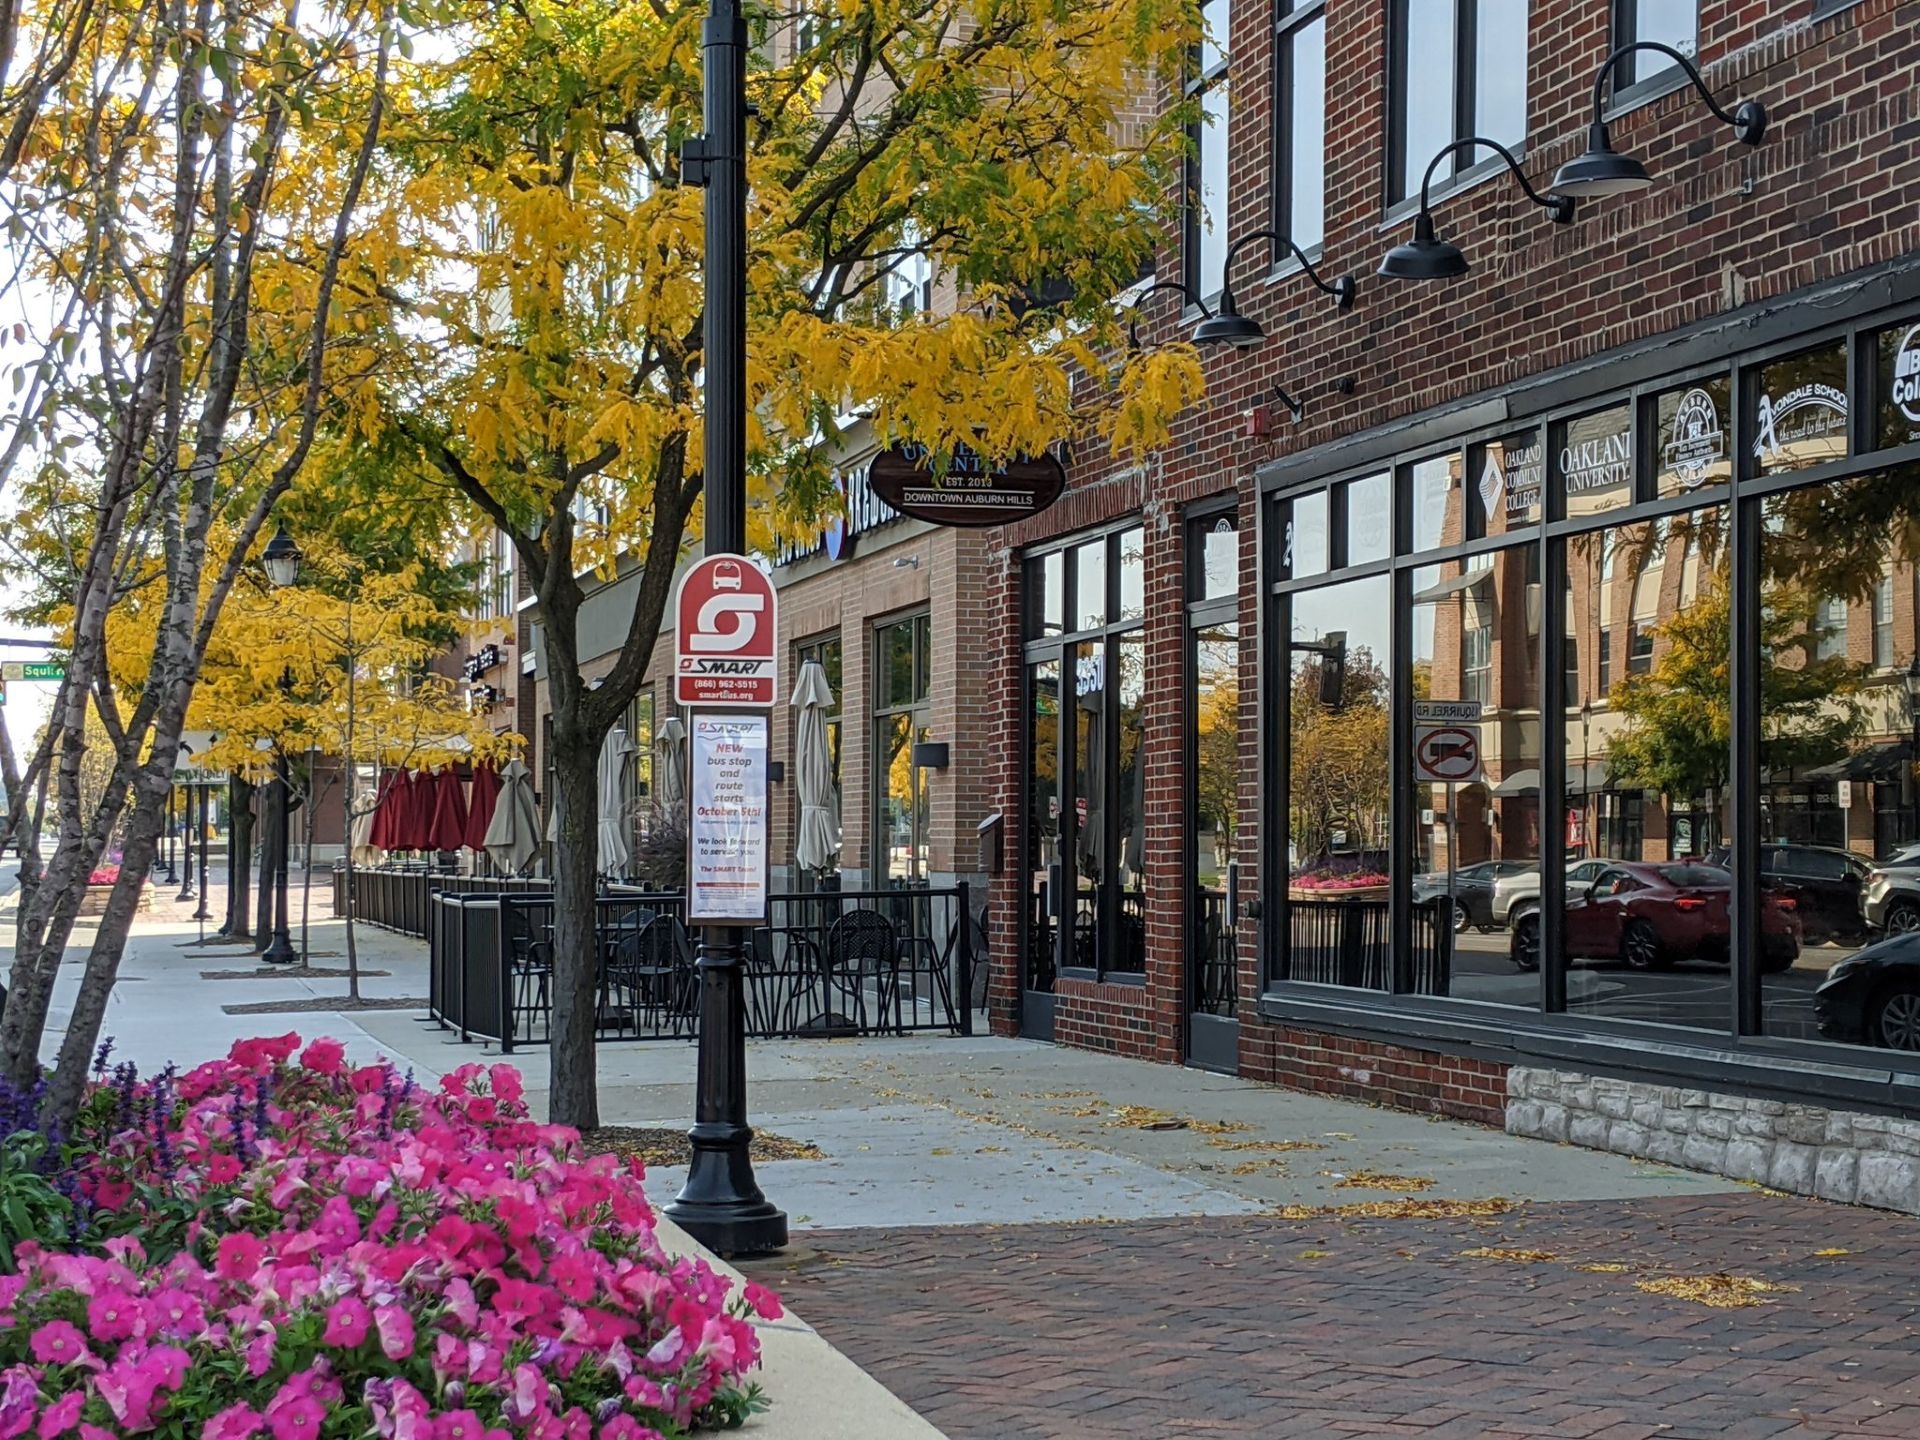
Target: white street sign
(727,836)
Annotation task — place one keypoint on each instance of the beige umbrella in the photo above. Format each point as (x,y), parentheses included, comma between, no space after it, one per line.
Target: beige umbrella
(513,836)
(817,847)
(669,771)
(612,786)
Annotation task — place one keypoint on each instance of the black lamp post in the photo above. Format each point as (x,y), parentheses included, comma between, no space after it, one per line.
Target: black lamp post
(1227,326)
(281,560)
(168,877)
(1912,678)
(1602,171)
(721,1205)
(1426,257)
(186,847)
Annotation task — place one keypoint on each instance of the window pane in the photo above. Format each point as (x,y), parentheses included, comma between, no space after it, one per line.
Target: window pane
(1090,585)
(1500,70)
(1092,756)
(1337,656)
(1692,428)
(1646,776)
(1220,562)
(1837,782)
(922,659)
(895,649)
(1126,876)
(1426,106)
(1671,22)
(893,750)
(1213,42)
(1052,593)
(1307,535)
(1594,458)
(1507,481)
(1212,190)
(1043,821)
(1304,147)
(1437,502)
(1800,411)
(1133,574)
(1472,642)
(1215,715)
(1369,519)
(1900,385)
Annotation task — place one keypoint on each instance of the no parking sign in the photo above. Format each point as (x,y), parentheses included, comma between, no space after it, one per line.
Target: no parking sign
(1446,741)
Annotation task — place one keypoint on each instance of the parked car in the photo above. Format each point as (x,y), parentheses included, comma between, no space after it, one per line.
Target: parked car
(1514,895)
(1650,917)
(1892,900)
(1472,890)
(1827,886)
(1873,998)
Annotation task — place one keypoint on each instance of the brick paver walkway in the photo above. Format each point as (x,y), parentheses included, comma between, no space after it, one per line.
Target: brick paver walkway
(1344,1328)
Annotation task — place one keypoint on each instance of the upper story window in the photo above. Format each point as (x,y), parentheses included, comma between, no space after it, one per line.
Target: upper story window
(910,281)
(1206,200)
(1459,69)
(1669,22)
(1300,120)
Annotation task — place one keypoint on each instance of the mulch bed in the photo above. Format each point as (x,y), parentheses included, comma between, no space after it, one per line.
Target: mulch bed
(659,1147)
(281,972)
(324,1006)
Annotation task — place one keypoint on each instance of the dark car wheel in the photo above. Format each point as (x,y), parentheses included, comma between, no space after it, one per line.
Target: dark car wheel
(1903,917)
(1640,947)
(1525,948)
(1460,917)
(1893,1019)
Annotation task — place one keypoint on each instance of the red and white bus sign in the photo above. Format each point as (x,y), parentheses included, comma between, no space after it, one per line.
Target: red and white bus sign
(1448,754)
(724,650)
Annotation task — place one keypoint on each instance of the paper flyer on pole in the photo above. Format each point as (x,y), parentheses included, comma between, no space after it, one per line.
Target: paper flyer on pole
(727,833)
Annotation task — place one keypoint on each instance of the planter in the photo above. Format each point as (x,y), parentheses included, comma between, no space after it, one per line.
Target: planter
(93,903)
(1355,892)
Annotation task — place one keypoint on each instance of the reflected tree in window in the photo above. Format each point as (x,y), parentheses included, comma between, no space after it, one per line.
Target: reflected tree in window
(1339,758)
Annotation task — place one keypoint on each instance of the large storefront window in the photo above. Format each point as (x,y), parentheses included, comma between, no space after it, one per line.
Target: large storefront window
(1086,776)
(1613,710)
(902,718)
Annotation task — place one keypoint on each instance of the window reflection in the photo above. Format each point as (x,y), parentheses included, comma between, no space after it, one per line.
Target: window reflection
(1043,822)
(1338,656)
(1476,638)
(1647,926)
(1215,712)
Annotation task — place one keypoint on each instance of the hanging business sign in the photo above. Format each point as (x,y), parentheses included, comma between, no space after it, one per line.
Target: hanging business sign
(970,490)
(727,827)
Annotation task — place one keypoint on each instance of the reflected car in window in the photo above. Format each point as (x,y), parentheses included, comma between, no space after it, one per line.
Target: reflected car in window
(1472,889)
(1892,901)
(1827,886)
(1651,917)
(1873,998)
(1518,894)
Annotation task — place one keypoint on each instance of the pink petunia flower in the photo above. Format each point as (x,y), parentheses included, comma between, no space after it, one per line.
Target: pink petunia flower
(294,1414)
(113,1316)
(324,1056)
(236,1422)
(347,1322)
(59,1342)
(396,1331)
(238,1256)
(61,1416)
(765,1303)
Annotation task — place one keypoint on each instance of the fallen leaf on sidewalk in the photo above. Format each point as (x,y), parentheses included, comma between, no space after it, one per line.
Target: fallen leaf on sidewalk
(1399,1210)
(1260,1167)
(1516,1257)
(1720,1291)
(1605,1267)
(1832,1250)
(1382,1180)
(1271,1146)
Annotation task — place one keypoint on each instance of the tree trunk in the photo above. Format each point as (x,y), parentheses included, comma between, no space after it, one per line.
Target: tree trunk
(270,797)
(573,1097)
(240,858)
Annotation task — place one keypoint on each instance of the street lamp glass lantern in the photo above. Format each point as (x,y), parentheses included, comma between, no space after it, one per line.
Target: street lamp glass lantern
(281,559)
(1913,684)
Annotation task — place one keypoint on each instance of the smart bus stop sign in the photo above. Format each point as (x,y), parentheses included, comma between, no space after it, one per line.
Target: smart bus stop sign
(724,649)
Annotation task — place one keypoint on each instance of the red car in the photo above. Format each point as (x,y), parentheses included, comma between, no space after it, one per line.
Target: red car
(1650,916)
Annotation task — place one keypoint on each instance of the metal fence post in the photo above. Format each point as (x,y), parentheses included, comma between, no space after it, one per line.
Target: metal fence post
(965,922)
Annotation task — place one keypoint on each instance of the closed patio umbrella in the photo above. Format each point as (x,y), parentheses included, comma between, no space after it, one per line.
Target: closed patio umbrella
(365,852)
(413,812)
(513,834)
(481,799)
(669,771)
(385,811)
(447,826)
(817,846)
(612,793)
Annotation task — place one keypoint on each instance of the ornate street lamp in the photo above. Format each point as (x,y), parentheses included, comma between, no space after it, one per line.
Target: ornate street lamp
(1603,171)
(1426,257)
(1227,326)
(281,560)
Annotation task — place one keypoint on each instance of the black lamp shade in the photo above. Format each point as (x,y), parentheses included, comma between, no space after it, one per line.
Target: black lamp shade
(1424,257)
(1229,327)
(1601,171)
(281,559)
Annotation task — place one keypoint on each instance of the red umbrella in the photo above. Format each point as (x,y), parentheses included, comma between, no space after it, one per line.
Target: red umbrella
(480,802)
(447,829)
(384,810)
(413,812)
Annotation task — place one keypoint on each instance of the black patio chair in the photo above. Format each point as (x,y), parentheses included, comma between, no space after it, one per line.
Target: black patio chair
(649,976)
(862,944)
(530,960)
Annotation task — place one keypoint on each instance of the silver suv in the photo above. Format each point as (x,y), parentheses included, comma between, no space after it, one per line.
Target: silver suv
(1892,899)
(1517,895)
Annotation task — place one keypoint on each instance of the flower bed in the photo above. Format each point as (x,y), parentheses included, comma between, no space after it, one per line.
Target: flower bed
(1339,885)
(304,1249)
(93,900)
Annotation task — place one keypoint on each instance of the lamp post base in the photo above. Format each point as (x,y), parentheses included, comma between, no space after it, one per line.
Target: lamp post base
(280,950)
(721,1205)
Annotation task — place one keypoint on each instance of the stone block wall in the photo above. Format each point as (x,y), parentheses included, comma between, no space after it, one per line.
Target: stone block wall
(1806,1149)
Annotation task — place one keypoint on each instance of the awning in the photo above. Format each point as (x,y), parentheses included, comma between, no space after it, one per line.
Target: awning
(1886,761)
(1471,580)
(1580,779)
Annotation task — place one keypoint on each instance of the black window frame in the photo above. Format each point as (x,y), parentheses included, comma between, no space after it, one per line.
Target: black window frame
(883,709)
(1644,74)
(1290,18)
(1463,164)
(1194,89)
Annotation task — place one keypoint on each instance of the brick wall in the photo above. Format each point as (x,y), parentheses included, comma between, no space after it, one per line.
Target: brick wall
(1407,1079)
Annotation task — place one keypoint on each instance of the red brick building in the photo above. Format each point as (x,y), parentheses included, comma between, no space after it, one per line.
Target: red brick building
(1672,437)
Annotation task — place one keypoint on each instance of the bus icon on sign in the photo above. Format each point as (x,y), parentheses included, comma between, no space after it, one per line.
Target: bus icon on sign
(1446,753)
(726,575)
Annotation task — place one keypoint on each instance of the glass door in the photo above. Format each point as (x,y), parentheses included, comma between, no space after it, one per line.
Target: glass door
(1213,796)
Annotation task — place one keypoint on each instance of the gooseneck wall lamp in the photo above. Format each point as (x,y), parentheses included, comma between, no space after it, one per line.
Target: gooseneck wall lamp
(1602,171)
(1227,326)
(1159,286)
(1426,257)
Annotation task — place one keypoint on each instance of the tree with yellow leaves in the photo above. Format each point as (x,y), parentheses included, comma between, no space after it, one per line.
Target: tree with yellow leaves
(540,265)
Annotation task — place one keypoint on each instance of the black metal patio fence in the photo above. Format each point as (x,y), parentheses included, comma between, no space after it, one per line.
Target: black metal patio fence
(1350,943)
(395,897)
(827,964)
